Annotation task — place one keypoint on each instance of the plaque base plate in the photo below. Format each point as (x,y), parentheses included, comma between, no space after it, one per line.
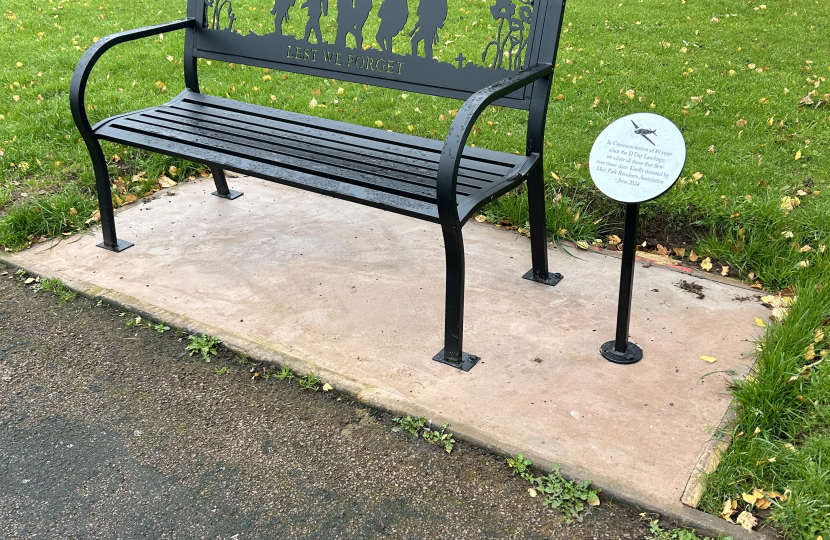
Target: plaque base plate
(632,354)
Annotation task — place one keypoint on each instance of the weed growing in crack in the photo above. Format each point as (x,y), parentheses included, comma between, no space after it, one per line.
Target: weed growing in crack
(204,345)
(417,427)
(54,286)
(676,534)
(160,327)
(284,373)
(410,425)
(569,496)
(309,382)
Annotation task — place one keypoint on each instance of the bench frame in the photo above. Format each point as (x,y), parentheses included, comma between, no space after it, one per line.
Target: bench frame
(526,89)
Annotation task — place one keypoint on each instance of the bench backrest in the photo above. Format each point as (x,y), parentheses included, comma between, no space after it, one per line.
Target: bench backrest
(408,45)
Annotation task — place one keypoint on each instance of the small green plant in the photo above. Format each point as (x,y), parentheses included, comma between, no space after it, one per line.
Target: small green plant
(569,496)
(54,286)
(222,370)
(309,382)
(160,327)
(243,360)
(409,425)
(130,320)
(284,373)
(433,436)
(676,534)
(521,466)
(417,427)
(204,345)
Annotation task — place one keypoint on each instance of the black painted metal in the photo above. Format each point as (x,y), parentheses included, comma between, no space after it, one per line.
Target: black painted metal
(77,92)
(221,182)
(553,278)
(467,362)
(442,182)
(623,351)
(632,354)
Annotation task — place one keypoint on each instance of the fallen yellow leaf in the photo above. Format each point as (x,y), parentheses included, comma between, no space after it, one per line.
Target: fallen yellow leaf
(166,182)
(746,520)
(327,387)
(693,257)
(709,359)
(706,264)
(726,513)
(760,323)
(798,155)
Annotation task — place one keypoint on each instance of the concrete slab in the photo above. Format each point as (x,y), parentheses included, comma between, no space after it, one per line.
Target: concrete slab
(357,294)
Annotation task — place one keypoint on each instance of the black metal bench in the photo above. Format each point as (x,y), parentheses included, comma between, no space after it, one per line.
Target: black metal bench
(442,182)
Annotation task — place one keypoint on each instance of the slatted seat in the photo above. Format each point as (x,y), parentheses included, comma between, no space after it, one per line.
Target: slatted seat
(443,182)
(379,168)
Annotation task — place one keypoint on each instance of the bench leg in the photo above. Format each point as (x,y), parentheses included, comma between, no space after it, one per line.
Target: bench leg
(102,186)
(452,355)
(539,230)
(222,185)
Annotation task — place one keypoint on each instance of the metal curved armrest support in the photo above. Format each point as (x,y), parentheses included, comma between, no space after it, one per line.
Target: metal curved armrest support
(91,56)
(460,131)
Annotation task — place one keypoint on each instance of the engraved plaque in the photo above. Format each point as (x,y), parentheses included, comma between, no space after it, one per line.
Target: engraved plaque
(638,158)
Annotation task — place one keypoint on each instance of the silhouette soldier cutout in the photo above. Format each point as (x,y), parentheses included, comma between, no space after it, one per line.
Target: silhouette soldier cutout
(280,13)
(316,9)
(393,15)
(432,15)
(351,17)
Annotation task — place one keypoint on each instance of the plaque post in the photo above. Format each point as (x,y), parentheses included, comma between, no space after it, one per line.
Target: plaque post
(621,351)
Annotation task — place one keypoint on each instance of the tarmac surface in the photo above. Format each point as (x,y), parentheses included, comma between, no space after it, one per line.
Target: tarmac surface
(357,295)
(113,432)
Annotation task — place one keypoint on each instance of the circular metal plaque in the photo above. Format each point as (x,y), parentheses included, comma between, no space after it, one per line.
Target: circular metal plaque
(638,158)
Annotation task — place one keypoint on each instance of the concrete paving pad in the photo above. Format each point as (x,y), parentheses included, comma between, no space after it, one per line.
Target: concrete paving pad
(357,294)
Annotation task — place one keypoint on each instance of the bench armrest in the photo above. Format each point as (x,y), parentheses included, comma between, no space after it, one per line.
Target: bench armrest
(460,130)
(94,52)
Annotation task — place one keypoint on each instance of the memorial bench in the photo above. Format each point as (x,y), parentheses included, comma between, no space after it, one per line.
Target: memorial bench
(441,182)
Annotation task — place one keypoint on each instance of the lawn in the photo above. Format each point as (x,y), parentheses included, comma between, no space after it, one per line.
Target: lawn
(744,81)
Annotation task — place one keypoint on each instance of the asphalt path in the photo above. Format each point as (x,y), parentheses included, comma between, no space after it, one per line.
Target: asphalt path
(114,431)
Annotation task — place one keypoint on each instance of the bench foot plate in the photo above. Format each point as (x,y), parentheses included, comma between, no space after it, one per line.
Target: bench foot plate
(230,196)
(466,364)
(122,245)
(553,278)
(632,354)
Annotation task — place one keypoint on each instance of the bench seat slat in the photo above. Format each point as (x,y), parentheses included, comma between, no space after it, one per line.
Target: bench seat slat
(478,157)
(389,156)
(309,182)
(307,149)
(234,148)
(379,168)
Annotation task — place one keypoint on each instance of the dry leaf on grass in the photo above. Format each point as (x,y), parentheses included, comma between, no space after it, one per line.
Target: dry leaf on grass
(746,520)
(166,182)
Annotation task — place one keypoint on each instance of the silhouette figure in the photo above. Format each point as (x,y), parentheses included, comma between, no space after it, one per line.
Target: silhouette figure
(351,17)
(280,13)
(432,15)
(393,15)
(316,9)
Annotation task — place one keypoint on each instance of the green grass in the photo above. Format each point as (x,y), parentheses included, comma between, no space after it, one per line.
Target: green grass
(730,74)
